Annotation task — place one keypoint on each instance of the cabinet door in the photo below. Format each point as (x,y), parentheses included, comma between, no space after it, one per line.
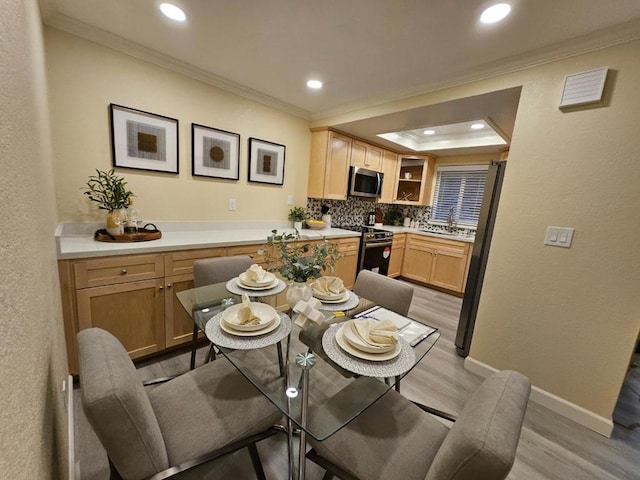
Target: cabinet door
(366,156)
(397,255)
(132,312)
(337,167)
(449,268)
(347,266)
(389,170)
(418,261)
(178,323)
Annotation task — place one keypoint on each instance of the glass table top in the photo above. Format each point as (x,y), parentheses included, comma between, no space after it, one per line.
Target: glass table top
(334,394)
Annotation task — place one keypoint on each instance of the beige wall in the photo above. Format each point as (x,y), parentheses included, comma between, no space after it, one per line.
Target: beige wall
(32,351)
(567,318)
(84,78)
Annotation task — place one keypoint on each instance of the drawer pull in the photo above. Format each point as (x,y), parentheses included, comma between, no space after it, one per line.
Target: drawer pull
(168,285)
(123,271)
(161,288)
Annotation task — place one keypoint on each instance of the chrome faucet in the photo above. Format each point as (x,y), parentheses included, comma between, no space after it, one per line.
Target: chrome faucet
(450,221)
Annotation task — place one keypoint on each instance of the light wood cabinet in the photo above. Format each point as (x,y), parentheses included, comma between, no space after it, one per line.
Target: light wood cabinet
(439,262)
(329,165)
(347,266)
(366,156)
(397,254)
(414,180)
(390,178)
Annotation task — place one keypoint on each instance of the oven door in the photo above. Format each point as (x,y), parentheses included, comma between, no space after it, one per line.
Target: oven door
(374,256)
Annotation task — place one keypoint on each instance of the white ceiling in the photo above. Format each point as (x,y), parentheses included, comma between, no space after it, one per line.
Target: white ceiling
(365,51)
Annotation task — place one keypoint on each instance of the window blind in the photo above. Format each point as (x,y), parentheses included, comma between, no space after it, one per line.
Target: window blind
(459,191)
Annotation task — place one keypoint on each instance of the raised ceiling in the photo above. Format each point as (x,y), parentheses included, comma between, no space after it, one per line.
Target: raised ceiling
(365,51)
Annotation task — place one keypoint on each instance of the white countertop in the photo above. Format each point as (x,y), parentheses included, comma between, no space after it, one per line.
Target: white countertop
(459,238)
(76,240)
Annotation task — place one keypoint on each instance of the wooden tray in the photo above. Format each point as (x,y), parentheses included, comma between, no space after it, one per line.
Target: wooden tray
(144,234)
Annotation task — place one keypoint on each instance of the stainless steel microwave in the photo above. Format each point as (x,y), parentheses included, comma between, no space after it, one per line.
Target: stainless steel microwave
(365,183)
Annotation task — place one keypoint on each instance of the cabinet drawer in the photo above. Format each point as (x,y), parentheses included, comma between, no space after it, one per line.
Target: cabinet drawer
(251,250)
(441,244)
(110,270)
(348,244)
(181,262)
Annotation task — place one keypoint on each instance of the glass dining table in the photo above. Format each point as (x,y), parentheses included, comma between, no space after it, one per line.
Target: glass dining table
(317,385)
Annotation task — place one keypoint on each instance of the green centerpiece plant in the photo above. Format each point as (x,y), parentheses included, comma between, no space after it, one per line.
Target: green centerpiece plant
(297,215)
(298,261)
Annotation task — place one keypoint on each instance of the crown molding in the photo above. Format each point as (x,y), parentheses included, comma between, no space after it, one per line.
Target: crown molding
(102,37)
(605,38)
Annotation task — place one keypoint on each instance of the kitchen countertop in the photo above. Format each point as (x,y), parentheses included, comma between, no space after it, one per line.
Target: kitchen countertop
(75,240)
(460,238)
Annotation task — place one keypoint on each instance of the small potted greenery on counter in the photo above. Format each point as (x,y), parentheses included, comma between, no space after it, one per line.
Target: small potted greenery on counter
(110,193)
(297,215)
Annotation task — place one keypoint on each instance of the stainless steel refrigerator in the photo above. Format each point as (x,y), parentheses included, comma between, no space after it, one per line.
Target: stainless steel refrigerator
(479,256)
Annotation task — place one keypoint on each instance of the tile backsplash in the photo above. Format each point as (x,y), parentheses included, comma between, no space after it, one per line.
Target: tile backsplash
(354,211)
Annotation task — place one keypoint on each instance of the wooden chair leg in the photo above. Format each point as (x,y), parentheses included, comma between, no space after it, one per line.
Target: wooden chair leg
(255,460)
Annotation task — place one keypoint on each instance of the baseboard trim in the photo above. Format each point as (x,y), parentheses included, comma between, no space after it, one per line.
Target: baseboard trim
(593,421)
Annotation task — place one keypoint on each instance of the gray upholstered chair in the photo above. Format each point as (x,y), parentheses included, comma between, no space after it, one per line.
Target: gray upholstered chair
(385,291)
(215,270)
(177,426)
(395,438)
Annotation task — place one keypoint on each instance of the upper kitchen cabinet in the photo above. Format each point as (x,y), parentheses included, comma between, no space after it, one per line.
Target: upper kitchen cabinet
(366,156)
(329,165)
(389,180)
(414,180)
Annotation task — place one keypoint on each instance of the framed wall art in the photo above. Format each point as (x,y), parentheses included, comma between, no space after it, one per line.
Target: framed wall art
(143,140)
(214,153)
(266,162)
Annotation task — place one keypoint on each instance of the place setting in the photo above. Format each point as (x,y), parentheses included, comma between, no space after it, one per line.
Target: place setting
(257,282)
(248,325)
(368,347)
(333,295)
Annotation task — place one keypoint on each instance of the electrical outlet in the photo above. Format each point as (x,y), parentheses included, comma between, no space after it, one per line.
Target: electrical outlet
(232,204)
(289,199)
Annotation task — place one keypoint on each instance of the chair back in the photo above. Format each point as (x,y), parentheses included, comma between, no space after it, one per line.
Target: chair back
(385,291)
(219,269)
(117,406)
(482,442)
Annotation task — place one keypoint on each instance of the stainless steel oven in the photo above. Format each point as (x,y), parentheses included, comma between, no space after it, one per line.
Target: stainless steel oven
(375,250)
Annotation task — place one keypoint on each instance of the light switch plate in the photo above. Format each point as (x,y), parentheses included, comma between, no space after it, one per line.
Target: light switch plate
(232,204)
(559,237)
(289,199)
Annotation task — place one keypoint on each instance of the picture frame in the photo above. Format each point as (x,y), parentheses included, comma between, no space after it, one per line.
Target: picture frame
(143,140)
(266,162)
(214,153)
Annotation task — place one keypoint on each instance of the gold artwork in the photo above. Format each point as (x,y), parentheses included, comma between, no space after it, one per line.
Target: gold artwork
(266,163)
(147,142)
(216,154)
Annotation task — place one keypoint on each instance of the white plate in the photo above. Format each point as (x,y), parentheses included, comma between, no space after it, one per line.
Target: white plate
(342,298)
(374,357)
(265,312)
(350,336)
(263,287)
(255,333)
(268,278)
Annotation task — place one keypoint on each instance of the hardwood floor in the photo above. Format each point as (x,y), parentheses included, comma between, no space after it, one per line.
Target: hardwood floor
(551,446)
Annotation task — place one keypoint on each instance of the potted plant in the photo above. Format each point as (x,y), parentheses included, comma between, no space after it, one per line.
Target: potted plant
(297,215)
(110,193)
(298,262)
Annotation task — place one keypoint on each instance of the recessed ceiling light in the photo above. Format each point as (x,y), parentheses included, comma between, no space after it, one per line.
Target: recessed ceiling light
(314,84)
(429,132)
(495,13)
(173,12)
(477,126)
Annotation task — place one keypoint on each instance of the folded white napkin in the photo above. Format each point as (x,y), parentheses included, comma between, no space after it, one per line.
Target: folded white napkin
(255,273)
(246,315)
(329,285)
(308,311)
(377,333)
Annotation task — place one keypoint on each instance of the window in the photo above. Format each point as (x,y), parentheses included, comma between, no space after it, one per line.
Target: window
(458,192)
